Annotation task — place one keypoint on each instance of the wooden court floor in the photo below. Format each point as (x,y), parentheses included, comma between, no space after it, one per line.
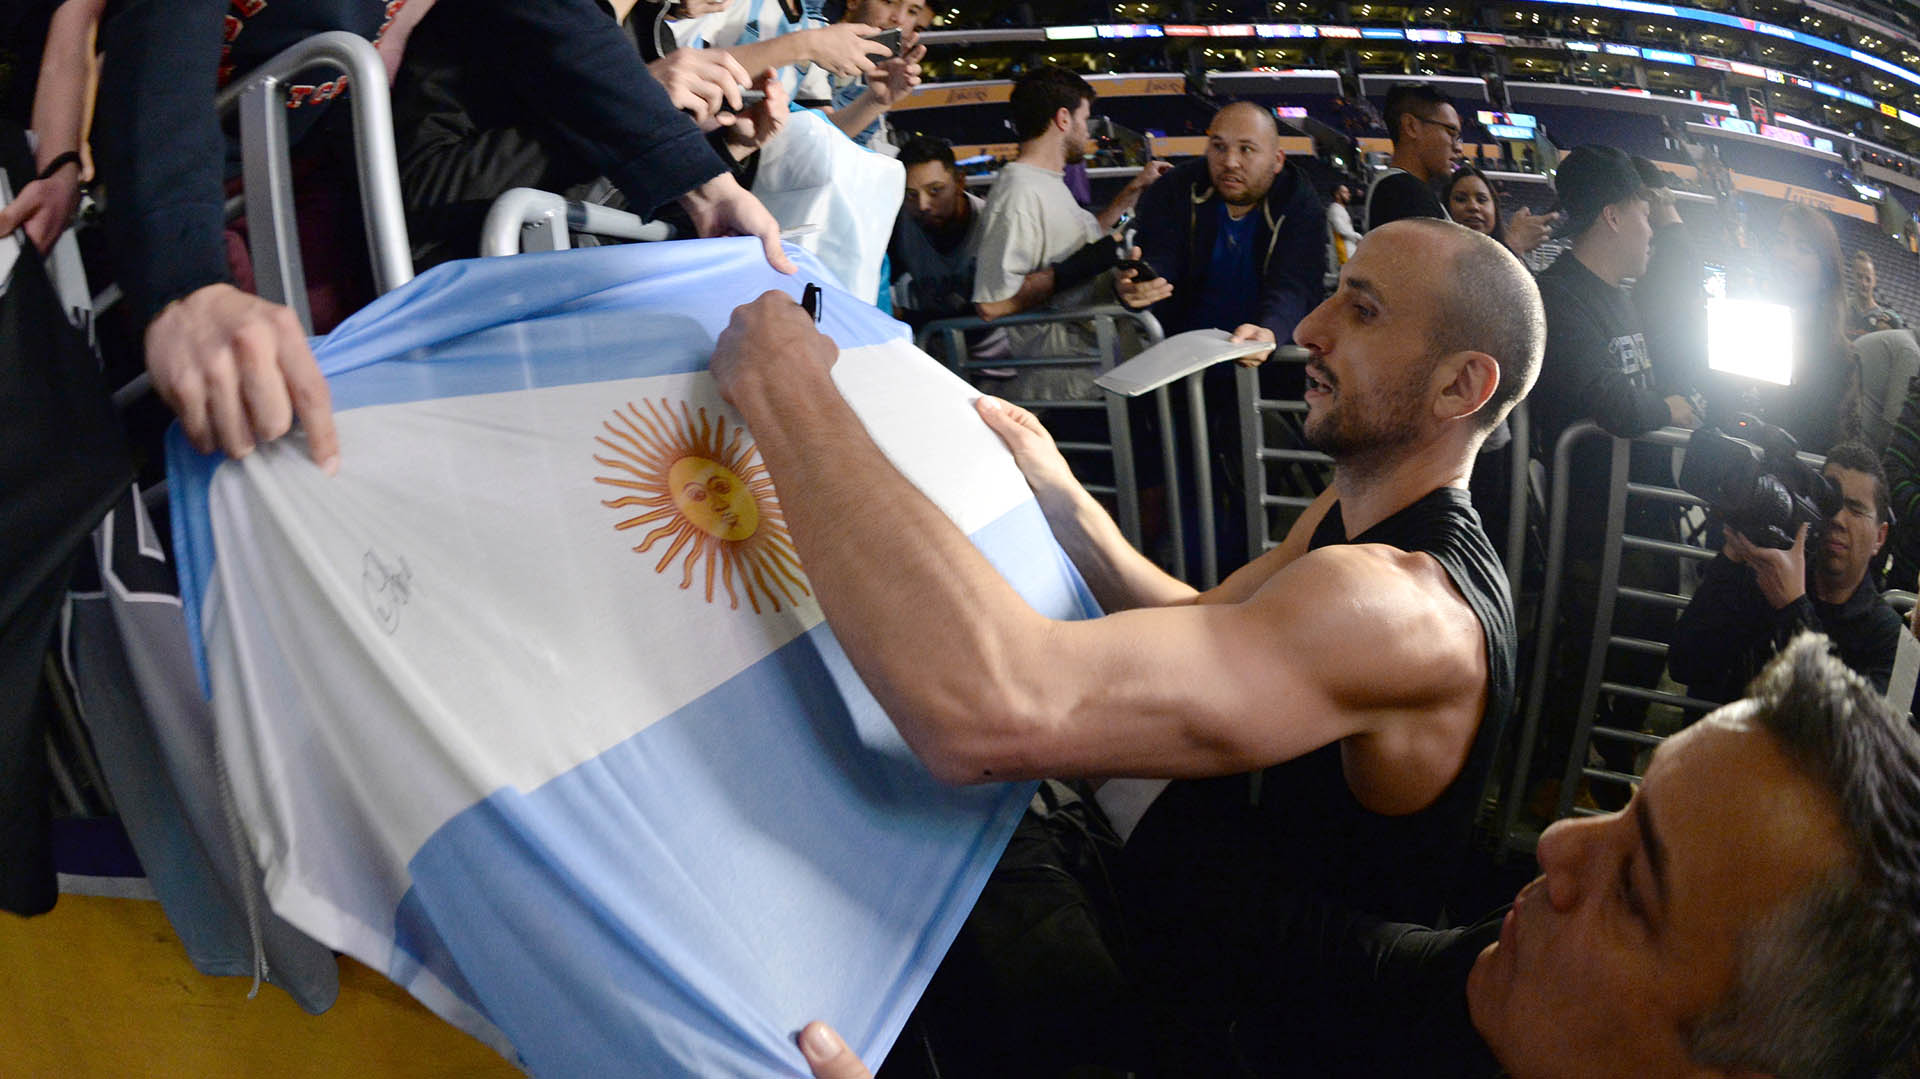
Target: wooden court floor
(101,987)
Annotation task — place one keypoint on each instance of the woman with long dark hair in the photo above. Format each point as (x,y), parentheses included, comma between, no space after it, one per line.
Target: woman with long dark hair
(1472,200)
(1805,271)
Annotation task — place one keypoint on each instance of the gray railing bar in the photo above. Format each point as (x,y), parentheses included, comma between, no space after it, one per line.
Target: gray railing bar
(260,98)
(1203,481)
(1603,615)
(1679,550)
(1519,477)
(1609,774)
(1654,696)
(1253,479)
(1557,499)
(1636,644)
(1661,599)
(525,219)
(1170,455)
(1636,737)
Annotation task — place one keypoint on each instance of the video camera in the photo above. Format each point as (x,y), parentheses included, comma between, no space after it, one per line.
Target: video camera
(1765,497)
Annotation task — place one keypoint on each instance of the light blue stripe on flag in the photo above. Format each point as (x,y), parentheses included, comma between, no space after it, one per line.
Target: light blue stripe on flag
(708,873)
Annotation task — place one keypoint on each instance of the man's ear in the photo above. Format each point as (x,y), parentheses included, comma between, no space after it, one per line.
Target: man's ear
(1063,119)
(1880,538)
(1465,381)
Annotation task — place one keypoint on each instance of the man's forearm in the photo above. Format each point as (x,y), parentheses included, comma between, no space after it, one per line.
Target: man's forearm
(859,114)
(59,98)
(775,52)
(1035,290)
(615,116)
(1120,577)
(927,621)
(1124,201)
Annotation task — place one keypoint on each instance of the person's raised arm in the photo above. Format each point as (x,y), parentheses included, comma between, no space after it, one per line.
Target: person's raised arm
(1005,280)
(1120,577)
(984,688)
(1130,194)
(1035,289)
(841,48)
(45,206)
(581,68)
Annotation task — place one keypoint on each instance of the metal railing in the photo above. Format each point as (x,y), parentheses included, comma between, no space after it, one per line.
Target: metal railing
(1104,322)
(1602,640)
(1594,684)
(260,98)
(528,219)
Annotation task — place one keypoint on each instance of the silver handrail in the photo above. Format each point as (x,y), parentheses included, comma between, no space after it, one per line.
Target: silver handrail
(529,219)
(260,97)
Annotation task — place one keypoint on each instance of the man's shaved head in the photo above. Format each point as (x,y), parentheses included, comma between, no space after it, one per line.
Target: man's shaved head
(1489,304)
(1243,153)
(1250,109)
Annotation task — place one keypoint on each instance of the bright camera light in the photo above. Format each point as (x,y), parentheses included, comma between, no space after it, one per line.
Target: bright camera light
(1751,338)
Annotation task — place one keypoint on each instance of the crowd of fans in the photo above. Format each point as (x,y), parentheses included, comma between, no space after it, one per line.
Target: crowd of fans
(1334,710)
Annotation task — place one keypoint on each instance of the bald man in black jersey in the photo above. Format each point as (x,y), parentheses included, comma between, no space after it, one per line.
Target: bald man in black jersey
(1369,657)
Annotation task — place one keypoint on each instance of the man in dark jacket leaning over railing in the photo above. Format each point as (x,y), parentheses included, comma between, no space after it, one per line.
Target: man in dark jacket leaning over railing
(1241,237)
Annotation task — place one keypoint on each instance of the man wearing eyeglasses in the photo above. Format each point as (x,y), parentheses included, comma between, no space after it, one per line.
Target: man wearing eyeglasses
(1426,140)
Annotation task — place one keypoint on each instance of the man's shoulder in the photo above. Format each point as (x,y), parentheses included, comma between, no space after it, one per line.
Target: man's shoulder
(1878,613)
(1373,575)
(1019,189)
(1186,177)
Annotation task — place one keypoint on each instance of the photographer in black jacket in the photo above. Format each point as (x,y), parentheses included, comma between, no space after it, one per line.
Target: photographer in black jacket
(1753,599)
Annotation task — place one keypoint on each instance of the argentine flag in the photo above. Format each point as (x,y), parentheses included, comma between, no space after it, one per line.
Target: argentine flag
(532,706)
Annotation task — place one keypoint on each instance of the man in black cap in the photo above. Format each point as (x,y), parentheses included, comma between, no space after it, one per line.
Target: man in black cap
(1671,295)
(1598,367)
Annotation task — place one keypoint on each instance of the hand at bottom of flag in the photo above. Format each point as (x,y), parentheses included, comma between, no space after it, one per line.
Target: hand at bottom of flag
(770,334)
(827,1055)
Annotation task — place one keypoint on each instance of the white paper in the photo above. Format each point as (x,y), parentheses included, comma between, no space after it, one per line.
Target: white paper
(1175,358)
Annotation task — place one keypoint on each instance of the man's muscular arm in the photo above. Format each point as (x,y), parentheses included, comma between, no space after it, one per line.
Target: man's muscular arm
(1347,640)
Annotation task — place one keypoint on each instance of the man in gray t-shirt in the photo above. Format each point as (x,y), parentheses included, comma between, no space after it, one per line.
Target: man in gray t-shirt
(1031,221)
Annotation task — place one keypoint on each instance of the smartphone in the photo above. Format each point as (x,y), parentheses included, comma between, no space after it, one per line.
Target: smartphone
(750,98)
(889,38)
(1142,269)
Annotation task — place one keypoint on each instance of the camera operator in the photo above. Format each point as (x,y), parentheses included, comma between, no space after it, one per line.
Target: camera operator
(1753,599)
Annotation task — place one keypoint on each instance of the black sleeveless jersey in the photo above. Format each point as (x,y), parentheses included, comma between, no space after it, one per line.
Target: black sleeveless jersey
(1297,824)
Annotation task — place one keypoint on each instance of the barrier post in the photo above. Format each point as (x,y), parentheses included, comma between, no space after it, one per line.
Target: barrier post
(260,100)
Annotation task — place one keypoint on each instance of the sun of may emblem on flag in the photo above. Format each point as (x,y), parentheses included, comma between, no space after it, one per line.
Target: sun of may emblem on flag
(710,495)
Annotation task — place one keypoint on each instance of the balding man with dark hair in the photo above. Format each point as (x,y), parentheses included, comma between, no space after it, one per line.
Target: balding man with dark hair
(1238,233)
(1373,651)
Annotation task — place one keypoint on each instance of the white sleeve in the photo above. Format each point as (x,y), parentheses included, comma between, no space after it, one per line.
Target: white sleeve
(1009,251)
(1342,224)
